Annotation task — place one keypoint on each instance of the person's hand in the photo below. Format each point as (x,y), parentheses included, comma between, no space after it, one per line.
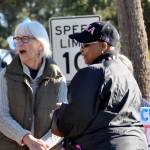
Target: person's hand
(34,143)
(57,132)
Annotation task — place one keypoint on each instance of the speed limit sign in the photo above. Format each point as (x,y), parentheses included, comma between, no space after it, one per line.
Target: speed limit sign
(65,51)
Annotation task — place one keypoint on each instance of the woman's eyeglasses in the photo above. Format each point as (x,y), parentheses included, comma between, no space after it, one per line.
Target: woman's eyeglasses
(85,45)
(23,39)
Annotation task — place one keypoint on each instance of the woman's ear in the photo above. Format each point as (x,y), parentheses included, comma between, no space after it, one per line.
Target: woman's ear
(104,46)
(40,46)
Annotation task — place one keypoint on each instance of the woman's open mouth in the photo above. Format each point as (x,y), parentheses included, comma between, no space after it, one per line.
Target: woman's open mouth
(22,52)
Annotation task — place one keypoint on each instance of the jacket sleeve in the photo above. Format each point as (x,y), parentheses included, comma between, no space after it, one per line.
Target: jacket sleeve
(74,118)
(8,125)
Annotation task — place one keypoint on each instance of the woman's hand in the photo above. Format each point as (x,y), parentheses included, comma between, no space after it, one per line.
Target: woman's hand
(57,132)
(34,143)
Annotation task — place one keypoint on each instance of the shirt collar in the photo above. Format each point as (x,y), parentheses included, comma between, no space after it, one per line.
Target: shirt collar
(40,72)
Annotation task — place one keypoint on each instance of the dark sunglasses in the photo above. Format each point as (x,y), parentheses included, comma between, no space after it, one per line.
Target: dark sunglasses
(85,45)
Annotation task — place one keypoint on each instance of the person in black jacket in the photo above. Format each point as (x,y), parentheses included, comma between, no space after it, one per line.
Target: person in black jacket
(104,98)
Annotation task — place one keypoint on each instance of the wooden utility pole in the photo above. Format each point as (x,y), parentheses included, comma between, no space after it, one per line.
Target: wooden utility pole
(134,41)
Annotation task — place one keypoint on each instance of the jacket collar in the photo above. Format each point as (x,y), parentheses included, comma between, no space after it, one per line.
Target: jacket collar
(109,55)
(15,70)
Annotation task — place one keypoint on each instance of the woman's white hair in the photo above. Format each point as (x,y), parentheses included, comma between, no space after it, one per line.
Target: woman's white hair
(37,30)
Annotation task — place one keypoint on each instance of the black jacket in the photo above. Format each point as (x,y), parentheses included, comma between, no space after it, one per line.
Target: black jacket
(102,97)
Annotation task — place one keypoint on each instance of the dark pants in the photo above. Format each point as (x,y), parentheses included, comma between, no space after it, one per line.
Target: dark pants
(126,138)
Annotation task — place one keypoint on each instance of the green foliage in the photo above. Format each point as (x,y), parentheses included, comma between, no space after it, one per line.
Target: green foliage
(109,12)
(146,10)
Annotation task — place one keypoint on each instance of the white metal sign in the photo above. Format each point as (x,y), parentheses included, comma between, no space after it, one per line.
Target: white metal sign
(66,52)
(145,115)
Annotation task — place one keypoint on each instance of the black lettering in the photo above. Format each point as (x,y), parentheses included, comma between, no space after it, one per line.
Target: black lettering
(74,28)
(83,27)
(68,42)
(66,28)
(75,43)
(76,61)
(66,56)
(61,44)
(58,28)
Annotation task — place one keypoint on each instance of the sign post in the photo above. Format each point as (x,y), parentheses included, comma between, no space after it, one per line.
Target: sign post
(65,51)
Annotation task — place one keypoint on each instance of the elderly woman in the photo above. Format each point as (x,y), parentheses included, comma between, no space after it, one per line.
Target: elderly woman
(30,87)
(104,98)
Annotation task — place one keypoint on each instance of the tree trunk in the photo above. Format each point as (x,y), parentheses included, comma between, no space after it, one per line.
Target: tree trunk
(134,41)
